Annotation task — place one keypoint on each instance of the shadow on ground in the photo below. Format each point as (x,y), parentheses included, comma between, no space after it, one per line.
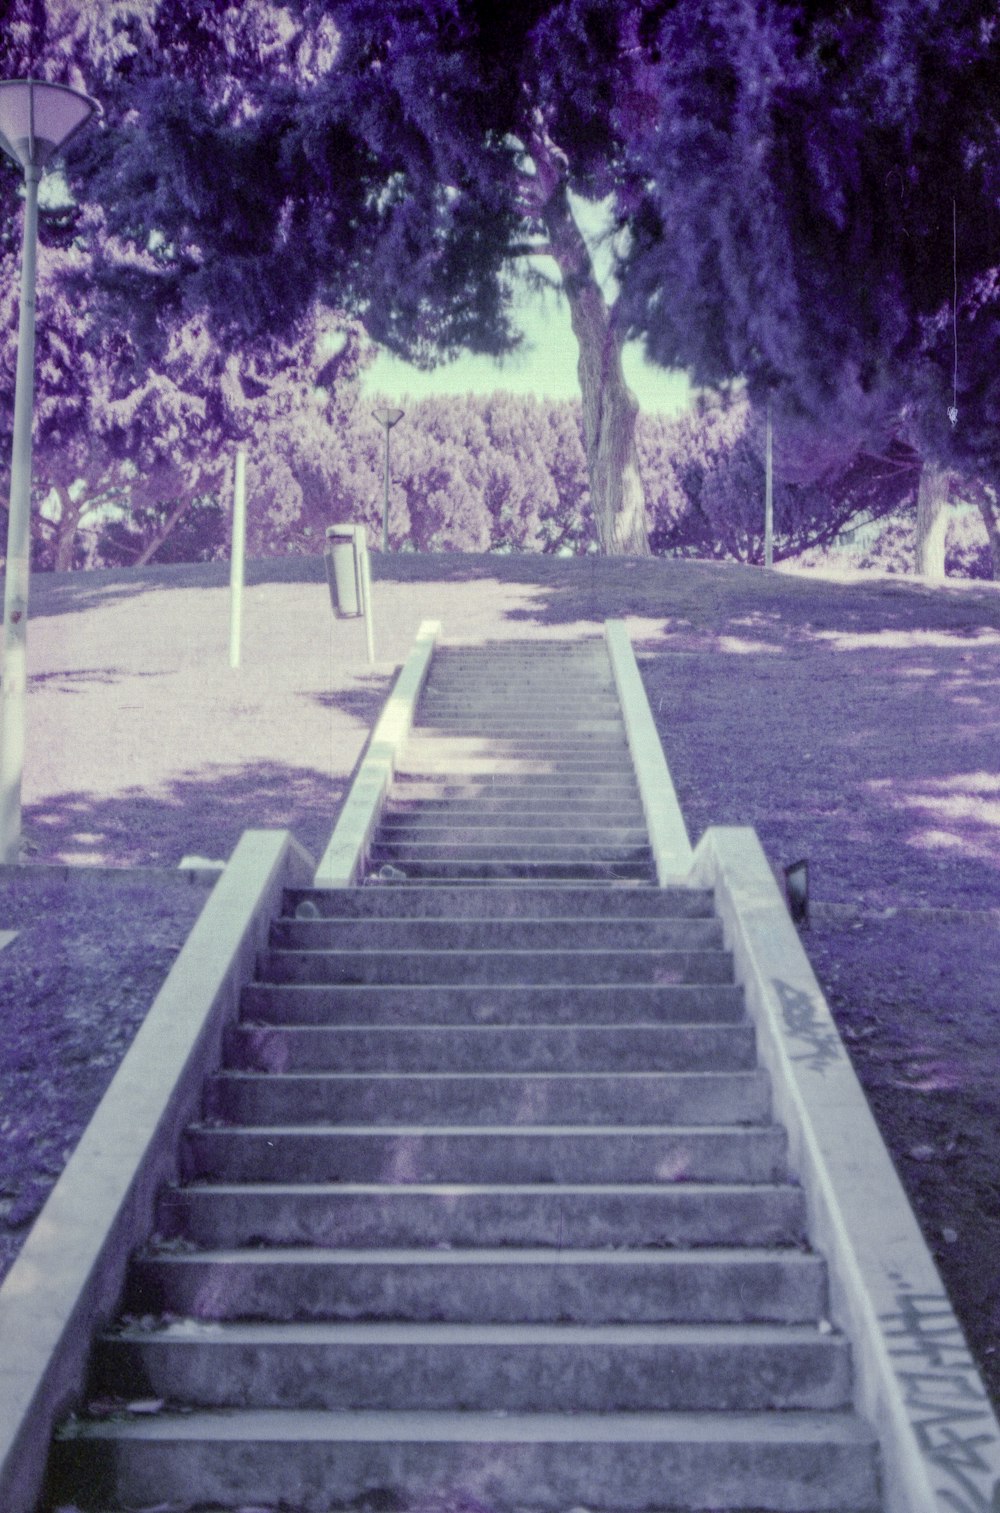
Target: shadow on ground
(201,813)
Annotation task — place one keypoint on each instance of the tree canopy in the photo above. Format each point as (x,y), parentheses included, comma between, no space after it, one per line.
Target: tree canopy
(818,211)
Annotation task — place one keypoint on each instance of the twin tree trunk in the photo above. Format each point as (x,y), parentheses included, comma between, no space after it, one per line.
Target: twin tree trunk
(609,407)
(933,513)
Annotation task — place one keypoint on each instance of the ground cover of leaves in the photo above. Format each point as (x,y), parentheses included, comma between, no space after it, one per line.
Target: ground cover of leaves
(853,722)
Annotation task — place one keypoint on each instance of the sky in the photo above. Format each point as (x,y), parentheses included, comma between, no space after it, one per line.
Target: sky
(546,367)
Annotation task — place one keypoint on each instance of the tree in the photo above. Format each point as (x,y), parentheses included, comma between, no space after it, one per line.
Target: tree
(396,162)
(816,193)
(125,446)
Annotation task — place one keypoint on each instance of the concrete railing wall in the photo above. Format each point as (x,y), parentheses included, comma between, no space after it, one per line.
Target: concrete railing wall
(66,1281)
(915,1378)
(343,860)
(668,835)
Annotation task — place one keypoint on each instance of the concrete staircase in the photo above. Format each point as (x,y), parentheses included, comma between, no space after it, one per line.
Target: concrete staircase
(517,769)
(486,1206)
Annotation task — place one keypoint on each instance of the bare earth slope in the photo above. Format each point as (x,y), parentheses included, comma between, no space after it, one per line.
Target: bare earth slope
(853,723)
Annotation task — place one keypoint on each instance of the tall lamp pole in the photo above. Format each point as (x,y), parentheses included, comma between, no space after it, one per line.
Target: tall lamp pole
(387,418)
(769,491)
(36,120)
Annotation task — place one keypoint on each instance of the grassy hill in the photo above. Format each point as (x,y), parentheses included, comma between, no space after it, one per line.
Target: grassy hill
(852,722)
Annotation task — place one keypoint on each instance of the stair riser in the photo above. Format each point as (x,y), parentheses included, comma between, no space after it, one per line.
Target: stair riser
(602,1378)
(486,903)
(690,1004)
(496,935)
(541,716)
(665,1098)
(574,772)
(583,850)
(546,789)
(604,839)
(494,1048)
(272,1156)
(677,1216)
(548,1477)
(518,872)
(655,968)
(466,731)
(500,814)
(785,1290)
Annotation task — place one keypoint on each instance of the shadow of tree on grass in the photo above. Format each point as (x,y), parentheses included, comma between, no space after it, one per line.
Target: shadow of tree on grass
(201,813)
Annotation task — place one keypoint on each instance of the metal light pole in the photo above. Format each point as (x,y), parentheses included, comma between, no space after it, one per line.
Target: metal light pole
(387,418)
(769,492)
(36,120)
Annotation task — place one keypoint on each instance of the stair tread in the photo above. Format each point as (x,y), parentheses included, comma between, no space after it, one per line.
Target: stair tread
(405,1332)
(501,1189)
(524,1256)
(284,1425)
(494,1131)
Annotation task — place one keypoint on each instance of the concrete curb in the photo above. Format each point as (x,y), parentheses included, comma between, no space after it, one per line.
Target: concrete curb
(915,1378)
(668,835)
(344,856)
(66,872)
(66,1282)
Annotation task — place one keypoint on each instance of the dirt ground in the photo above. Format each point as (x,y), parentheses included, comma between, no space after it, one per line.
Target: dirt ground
(854,723)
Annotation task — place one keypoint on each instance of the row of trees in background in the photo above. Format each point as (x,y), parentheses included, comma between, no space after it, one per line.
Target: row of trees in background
(802,200)
(469,473)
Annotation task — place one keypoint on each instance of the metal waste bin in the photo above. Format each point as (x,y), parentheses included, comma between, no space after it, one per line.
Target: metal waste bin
(343,568)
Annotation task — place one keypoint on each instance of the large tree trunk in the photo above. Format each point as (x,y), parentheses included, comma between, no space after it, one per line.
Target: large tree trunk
(609,407)
(933,513)
(69,519)
(989,508)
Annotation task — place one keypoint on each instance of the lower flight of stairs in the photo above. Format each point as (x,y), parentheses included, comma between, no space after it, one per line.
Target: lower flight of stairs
(486,1211)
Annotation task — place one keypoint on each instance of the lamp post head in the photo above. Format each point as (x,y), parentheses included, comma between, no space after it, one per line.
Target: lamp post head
(37,119)
(388,418)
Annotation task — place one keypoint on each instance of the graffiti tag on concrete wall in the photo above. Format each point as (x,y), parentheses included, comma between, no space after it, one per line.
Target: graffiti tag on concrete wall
(948,1407)
(805,1023)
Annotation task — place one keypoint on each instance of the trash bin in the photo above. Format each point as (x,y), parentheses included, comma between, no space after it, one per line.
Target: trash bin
(343,568)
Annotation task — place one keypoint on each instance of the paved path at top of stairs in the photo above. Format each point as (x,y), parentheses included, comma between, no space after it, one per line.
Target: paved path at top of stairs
(486,1207)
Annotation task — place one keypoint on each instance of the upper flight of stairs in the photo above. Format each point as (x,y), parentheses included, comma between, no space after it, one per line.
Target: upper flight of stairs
(485,1204)
(517,769)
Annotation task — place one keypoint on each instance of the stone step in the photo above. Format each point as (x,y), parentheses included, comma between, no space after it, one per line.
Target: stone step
(587,902)
(507,1368)
(487,1098)
(426,760)
(513,838)
(465,1048)
(486,849)
(410,934)
(319,1004)
(463,1215)
(599,738)
(495,872)
(488,1286)
(550,709)
(498,873)
(816,1462)
(476,1153)
(530,967)
(539,788)
(491,810)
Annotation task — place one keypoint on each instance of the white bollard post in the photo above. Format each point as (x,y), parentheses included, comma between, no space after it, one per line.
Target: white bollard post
(237,556)
(361,538)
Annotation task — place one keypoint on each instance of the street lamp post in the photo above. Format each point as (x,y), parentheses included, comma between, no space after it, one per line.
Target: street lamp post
(387,418)
(36,120)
